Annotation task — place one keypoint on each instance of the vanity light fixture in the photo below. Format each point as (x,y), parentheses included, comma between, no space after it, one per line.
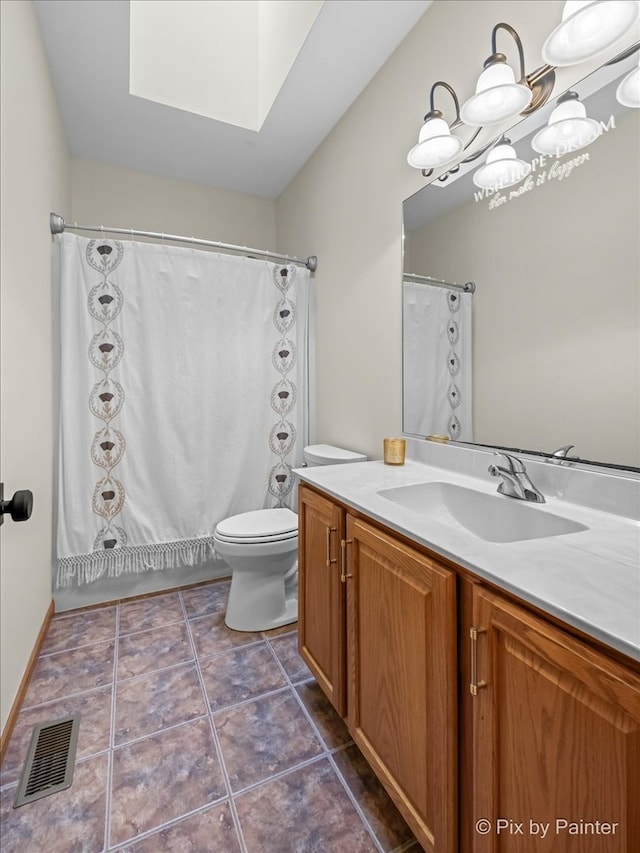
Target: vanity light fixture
(587,29)
(498,97)
(628,92)
(568,128)
(502,169)
(436,146)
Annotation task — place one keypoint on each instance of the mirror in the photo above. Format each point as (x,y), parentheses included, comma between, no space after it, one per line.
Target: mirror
(555,342)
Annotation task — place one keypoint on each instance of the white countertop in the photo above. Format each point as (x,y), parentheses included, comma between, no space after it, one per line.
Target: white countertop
(589,579)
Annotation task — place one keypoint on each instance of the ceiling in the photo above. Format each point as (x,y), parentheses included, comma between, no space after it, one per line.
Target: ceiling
(87,46)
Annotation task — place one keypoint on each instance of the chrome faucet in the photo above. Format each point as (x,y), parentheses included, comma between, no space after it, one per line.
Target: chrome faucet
(561,455)
(562,452)
(515,481)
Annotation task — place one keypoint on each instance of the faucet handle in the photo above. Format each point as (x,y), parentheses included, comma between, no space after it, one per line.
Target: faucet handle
(514,465)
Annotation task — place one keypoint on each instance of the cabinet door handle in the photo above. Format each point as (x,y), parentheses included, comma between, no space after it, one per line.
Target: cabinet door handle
(474,684)
(330,530)
(343,568)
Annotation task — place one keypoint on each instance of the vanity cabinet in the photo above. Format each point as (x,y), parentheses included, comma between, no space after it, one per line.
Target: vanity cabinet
(401,664)
(377,628)
(493,728)
(556,737)
(321,594)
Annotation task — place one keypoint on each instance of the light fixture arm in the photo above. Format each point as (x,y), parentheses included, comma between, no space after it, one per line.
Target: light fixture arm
(494,50)
(435,113)
(432,108)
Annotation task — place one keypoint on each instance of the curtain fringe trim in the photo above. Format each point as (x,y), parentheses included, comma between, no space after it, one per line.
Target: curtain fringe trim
(133,559)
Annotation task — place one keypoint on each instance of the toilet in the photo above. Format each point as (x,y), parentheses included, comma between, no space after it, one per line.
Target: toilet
(261,549)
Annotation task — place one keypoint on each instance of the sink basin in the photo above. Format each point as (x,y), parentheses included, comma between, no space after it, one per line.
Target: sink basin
(495,518)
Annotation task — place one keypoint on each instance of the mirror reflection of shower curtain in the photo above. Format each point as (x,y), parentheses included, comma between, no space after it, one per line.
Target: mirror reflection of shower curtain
(182,400)
(437,373)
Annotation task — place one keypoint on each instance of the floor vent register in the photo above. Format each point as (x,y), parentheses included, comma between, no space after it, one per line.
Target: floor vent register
(50,760)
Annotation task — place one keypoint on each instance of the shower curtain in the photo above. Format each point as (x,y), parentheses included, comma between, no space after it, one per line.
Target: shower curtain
(437,340)
(183,400)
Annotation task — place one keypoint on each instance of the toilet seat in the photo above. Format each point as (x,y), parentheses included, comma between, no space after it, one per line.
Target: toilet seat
(259,526)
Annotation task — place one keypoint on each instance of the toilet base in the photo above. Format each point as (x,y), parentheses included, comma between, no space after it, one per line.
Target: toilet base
(261,602)
(289,617)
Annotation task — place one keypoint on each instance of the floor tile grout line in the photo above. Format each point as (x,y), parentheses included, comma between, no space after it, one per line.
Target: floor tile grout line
(170,824)
(46,653)
(216,742)
(290,687)
(354,801)
(288,678)
(407,845)
(324,754)
(112,735)
(325,747)
(207,712)
(172,727)
(152,671)
(130,678)
(298,699)
(280,774)
(193,617)
(266,695)
(329,755)
(63,698)
(226,797)
(150,628)
(42,655)
(230,649)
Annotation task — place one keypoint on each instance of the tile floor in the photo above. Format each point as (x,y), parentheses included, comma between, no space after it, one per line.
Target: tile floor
(193,739)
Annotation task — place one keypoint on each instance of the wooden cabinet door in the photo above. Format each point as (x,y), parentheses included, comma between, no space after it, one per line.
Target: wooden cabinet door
(401,641)
(556,739)
(321,594)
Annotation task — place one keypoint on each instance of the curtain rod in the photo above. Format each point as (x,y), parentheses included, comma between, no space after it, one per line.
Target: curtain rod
(58,225)
(467,287)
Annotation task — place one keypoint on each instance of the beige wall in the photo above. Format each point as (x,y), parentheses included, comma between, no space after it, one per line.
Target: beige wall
(347,203)
(107,195)
(556,332)
(33,181)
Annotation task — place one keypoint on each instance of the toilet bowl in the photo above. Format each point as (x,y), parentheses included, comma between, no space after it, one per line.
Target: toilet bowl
(261,549)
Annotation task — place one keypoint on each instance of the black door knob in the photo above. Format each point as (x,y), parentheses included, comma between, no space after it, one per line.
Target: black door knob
(19,507)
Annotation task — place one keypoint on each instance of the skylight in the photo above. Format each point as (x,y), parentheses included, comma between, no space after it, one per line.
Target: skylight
(223,59)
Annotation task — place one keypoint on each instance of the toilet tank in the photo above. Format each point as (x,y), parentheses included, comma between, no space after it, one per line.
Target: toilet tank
(326,454)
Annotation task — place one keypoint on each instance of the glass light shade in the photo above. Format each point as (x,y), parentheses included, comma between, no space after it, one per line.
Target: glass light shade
(628,92)
(588,28)
(502,169)
(436,146)
(498,97)
(568,129)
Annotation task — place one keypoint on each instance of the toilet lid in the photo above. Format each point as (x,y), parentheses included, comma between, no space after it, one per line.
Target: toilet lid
(260,524)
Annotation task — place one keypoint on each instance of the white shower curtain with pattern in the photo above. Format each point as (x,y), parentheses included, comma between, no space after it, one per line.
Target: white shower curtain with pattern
(437,377)
(183,400)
